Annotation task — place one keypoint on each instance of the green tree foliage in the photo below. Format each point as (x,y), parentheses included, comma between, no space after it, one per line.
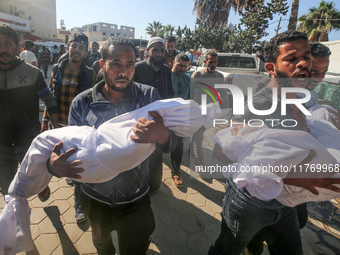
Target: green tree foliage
(244,37)
(169,30)
(154,28)
(254,22)
(157,29)
(211,37)
(320,21)
(186,39)
(166,31)
(216,12)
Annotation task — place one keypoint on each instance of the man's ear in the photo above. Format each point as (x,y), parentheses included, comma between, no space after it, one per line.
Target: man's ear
(87,53)
(270,67)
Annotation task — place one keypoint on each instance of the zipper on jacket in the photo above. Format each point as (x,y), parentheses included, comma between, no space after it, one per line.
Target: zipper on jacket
(7,112)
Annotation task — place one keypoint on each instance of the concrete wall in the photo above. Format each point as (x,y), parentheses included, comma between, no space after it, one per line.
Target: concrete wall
(41,14)
(334,63)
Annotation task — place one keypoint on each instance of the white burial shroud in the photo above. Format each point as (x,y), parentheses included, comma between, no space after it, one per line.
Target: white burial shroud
(265,150)
(105,152)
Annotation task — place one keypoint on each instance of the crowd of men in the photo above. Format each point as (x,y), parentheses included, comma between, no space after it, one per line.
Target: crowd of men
(121,81)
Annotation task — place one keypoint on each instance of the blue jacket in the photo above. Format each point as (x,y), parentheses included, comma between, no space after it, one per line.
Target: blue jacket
(91,108)
(84,81)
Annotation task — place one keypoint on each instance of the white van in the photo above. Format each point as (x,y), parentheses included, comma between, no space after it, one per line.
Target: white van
(49,46)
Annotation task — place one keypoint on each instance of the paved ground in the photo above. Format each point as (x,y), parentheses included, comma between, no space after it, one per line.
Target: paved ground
(187,219)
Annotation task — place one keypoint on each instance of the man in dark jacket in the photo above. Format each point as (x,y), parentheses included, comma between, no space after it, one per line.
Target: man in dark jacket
(94,56)
(21,87)
(44,60)
(121,204)
(155,73)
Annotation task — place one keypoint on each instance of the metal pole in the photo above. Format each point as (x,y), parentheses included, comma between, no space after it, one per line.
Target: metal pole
(278,26)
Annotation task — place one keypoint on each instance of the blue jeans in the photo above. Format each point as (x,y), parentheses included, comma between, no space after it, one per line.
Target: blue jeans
(244,216)
(45,68)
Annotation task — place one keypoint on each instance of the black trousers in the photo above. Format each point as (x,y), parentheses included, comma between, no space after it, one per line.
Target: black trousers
(10,157)
(133,222)
(176,157)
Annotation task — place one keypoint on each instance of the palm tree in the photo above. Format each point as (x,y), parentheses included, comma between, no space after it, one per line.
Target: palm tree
(216,12)
(293,15)
(154,28)
(168,29)
(320,21)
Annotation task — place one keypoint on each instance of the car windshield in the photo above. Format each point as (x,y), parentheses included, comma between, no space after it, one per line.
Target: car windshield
(236,62)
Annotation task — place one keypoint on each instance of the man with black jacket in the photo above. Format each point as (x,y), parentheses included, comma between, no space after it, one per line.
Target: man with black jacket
(121,204)
(155,73)
(21,87)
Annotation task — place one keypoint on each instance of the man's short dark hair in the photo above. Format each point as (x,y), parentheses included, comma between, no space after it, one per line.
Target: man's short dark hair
(170,39)
(182,57)
(10,32)
(29,45)
(115,41)
(319,50)
(211,53)
(271,51)
(95,43)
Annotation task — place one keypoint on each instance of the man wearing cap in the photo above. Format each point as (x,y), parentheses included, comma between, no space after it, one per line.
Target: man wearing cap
(27,55)
(155,73)
(21,87)
(68,79)
(94,56)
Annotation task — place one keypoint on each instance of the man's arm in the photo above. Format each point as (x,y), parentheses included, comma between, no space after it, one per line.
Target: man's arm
(219,155)
(46,118)
(311,183)
(33,59)
(336,119)
(54,120)
(50,102)
(154,131)
(150,131)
